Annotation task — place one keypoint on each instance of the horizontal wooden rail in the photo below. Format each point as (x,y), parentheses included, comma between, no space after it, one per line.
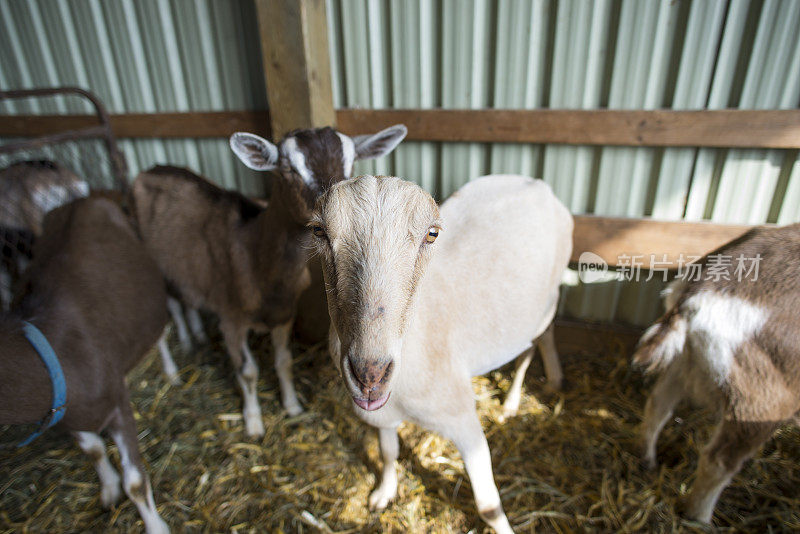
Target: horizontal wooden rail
(611,237)
(144,125)
(703,128)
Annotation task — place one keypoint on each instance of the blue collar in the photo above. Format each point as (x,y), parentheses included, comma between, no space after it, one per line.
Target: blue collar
(48,355)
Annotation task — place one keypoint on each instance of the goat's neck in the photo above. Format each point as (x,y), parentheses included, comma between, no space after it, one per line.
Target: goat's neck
(25,388)
(277,226)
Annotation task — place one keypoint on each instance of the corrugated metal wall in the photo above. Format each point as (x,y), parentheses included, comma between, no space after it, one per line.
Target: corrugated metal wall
(141,56)
(627,54)
(177,55)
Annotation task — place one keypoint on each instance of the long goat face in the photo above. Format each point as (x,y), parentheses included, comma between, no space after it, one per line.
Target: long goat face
(375,236)
(310,161)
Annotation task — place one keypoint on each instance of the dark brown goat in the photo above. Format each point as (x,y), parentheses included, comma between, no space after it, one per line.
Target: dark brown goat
(729,340)
(241,260)
(100,300)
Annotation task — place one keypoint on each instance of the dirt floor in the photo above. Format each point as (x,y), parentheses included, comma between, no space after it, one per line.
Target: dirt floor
(567,463)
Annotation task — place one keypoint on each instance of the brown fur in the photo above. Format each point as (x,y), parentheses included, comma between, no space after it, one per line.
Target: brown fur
(761,389)
(222,251)
(100,300)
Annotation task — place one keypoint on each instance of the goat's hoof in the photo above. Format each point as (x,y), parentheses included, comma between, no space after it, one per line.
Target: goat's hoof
(648,463)
(156,525)
(254,426)
(380,499)
(555,385)
(174,380)
(110,494)
(294,410)
(508,413)
(693,511)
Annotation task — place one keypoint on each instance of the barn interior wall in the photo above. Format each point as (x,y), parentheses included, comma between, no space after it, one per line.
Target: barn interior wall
(183,55)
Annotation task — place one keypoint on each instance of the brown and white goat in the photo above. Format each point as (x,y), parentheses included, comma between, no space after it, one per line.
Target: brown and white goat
(28,190)
(100,300)
(415,315)
(729,342)
(240,260)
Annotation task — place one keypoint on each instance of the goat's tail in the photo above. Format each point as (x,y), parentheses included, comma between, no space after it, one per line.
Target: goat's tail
(662,342)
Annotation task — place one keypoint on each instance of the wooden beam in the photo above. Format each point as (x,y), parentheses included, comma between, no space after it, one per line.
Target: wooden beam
(294,43)
(610,237)
(733,128)
(702,128)
(583,337)
(147,125)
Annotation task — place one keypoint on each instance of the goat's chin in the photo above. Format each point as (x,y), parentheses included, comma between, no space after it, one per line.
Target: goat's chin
(371,405)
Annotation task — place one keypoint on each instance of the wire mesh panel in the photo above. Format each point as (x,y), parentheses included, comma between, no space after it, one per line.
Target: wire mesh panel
(38,175)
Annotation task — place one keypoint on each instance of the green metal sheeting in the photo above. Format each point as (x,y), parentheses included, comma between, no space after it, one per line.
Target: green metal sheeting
(179,55)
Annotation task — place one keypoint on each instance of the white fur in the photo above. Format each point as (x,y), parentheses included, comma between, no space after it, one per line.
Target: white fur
(92,444)
(248,380)
(349,152)
(671,346)
(488,291)
(133,477)
(718,325)
(297,159)
(170,369)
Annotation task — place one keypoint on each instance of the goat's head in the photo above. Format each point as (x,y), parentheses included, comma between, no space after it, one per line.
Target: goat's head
(310,161)
(375,236)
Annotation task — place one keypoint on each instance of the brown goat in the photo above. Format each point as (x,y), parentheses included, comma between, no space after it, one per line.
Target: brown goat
(100,300)
(28,190)
(239,259)
(731,342)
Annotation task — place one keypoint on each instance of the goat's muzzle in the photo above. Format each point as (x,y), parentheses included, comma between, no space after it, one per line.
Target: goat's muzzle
(372,380)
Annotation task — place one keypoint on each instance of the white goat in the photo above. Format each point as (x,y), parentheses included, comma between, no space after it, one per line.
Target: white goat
(730,342)
(415,315)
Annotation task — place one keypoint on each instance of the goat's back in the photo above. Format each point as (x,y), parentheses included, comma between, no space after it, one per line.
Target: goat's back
(93,286)
(193,229)
(493,281)
(738,330)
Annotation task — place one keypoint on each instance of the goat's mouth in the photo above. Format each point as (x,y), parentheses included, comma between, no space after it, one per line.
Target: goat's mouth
(371,404)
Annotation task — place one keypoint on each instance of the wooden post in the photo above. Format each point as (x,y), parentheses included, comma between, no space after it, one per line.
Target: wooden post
(294,44)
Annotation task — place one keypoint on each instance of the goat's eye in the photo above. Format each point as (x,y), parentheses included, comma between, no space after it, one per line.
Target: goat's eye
(318,230)
(433,233)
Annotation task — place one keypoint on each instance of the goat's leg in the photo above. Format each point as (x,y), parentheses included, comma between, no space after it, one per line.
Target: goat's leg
(667,392)
(470,440)
(246,375)
(92,444)
(6,295)
(135,480)
(196,325)
(283,366)
(176,311)
(170,369)
(511,405)
(387,489)
(732,444)
(552,364)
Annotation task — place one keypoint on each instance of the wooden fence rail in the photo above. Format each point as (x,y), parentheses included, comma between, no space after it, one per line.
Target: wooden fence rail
(704,128)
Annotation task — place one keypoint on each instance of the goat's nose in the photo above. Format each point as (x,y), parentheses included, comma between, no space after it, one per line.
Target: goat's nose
(371,374)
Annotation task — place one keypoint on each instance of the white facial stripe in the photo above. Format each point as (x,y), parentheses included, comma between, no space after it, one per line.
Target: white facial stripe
(719,325)
(349,151)
(297,159)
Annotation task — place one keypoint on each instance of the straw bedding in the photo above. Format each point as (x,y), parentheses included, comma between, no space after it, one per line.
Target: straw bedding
(566,463)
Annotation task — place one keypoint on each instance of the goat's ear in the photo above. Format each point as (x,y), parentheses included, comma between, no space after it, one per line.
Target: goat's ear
(254,151)
(379,144)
